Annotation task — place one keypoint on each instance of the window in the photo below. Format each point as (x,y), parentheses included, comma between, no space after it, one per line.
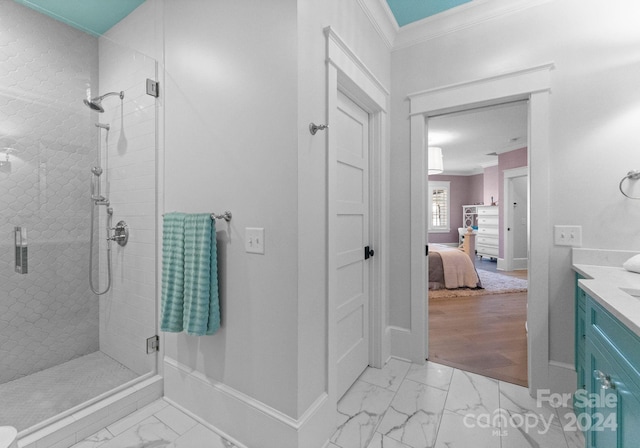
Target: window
(439,210)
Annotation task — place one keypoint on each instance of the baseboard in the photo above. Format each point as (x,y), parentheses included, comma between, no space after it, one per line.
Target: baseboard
(206,424)
(401,343)
(562,377)
(519,264)
(237,416)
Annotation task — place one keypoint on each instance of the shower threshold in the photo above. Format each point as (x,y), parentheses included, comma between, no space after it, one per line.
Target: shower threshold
(41,396)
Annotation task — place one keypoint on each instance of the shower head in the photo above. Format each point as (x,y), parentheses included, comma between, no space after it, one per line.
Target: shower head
(96,103)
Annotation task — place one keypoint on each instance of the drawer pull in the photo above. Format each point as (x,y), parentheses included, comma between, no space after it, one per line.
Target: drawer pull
(605,380)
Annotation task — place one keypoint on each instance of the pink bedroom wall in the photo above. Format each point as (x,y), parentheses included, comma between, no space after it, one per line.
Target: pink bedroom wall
(506,161)
(491,187)
(476,190)
(463,190)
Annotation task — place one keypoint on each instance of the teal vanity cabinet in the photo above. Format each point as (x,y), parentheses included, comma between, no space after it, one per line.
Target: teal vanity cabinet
(609,362)
(580,316)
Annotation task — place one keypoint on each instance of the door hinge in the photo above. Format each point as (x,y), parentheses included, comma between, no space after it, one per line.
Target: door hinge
(426,250)
(153,344)
(153,88)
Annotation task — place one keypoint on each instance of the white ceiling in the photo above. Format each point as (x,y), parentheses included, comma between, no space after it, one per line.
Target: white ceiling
(467,137)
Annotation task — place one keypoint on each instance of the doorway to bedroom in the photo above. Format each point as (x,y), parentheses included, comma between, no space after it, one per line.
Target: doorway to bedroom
(477,292)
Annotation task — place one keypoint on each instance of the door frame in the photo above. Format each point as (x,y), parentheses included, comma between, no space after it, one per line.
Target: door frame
(532,84)
(348,74)
(509,175)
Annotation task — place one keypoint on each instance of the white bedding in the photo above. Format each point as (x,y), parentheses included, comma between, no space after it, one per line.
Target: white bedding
(458,269)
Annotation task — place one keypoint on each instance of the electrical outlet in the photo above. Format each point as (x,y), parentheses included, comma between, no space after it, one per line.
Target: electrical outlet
(254,240)
(567,236)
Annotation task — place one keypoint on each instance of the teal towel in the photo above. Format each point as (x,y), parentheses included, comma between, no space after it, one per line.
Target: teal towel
(190,299)
(172,272)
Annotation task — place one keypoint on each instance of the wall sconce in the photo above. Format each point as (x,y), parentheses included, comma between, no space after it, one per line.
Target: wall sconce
(436,162)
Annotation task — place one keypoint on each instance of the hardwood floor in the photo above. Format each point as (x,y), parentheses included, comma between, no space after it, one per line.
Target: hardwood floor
(481,334)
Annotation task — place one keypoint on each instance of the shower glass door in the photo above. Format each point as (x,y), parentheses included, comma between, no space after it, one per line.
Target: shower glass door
(61,345)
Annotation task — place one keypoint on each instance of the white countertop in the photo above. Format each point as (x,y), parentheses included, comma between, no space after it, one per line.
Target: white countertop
(604,276)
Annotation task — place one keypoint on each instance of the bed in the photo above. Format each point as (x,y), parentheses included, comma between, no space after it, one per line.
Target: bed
(451,268)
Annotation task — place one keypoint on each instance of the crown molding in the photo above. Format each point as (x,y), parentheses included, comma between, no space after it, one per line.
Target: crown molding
(488,164)
(511,147)
(460,173)
(382,19)
(459,18)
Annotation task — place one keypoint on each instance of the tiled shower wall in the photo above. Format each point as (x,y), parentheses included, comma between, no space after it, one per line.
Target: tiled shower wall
(47,316)
(127,312)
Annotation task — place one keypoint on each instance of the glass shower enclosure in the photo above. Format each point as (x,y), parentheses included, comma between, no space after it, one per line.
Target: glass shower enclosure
(61,344)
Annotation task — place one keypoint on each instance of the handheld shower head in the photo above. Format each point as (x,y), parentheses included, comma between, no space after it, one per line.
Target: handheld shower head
(96,103)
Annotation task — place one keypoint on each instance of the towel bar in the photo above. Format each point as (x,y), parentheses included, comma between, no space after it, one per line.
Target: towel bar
(226,216)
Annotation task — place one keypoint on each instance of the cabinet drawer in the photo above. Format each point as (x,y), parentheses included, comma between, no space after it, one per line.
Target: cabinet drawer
(581,295)
(487,250)
(488,221)
(488,231)
(488,211)
(580,333)
(486,240)
(622,342)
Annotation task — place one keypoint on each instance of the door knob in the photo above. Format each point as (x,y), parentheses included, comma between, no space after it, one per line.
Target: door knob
(368,253)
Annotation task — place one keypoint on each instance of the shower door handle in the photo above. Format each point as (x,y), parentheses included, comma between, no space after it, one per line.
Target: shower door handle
(22,264)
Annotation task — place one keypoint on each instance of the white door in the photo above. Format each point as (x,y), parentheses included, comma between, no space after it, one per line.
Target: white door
(520,214)
(352,235)
(516,214)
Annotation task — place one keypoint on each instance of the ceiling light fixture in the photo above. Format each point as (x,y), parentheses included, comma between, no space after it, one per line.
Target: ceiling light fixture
(441,137)
(436,162)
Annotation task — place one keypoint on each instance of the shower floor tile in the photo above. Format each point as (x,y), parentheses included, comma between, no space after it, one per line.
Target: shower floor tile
(29,400)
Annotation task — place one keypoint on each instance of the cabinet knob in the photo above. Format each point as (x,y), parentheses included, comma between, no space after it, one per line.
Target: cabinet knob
(605,380)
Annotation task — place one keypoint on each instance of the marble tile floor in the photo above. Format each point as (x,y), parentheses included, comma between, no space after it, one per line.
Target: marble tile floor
(406,405)
(402,405)
(158,425)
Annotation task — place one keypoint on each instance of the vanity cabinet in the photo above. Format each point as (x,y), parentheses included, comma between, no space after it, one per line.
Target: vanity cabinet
(580,334)
(608,367)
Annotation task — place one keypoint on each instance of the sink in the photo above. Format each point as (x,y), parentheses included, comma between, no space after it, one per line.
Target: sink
(631,291)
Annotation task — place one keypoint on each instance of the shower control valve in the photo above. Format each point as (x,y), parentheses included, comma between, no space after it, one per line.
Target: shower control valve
(121,233)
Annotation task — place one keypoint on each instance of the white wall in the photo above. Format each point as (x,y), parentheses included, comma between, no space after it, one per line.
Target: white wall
(243,81)
(347,19)
(595,108)
(231,77)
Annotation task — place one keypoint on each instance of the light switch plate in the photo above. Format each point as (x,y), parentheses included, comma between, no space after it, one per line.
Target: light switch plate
(567,236)
(254,240)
